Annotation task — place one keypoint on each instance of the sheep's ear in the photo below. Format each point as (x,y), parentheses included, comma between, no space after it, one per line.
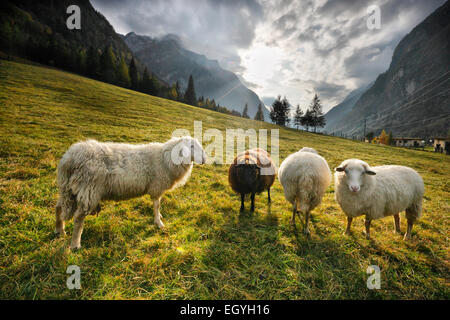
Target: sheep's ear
(369,171)
(339,169)
(184,152)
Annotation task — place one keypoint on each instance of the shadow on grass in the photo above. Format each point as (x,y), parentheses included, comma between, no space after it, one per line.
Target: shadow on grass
(253,256)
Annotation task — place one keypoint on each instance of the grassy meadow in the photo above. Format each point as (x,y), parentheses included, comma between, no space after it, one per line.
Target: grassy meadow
(208,250)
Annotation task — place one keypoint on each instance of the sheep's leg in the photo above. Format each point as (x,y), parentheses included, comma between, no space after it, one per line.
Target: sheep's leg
(268,196)
(96,210)
(306,228)
(397,222)
(408,233)
(59,223)
(242,202)
(252,197)
(367,224)
(78,220)
(294,212)
(156,205)
(349,223)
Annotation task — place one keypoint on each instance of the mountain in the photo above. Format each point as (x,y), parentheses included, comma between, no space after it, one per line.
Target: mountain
(45,21)
(37,31)
(412,97)
(337,114)
(171,62)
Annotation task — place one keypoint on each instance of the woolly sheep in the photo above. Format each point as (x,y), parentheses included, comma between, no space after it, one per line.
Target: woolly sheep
(305,176)
(378,192)
(252,171)
(92,171)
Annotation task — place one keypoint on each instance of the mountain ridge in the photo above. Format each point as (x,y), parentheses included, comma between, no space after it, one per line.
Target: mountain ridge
(171,62)
(339,111)
(410,98)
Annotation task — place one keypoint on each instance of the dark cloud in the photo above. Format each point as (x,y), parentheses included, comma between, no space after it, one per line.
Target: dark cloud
(217,28)
(333,8)
(325,90)
(332,37)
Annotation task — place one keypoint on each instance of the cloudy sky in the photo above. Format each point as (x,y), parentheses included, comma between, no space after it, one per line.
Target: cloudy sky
(287,47)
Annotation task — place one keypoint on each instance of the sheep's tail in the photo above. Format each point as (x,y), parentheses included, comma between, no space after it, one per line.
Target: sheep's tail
(305,193)
(67,203)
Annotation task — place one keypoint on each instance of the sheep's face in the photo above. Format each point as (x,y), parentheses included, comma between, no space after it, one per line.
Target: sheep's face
(188,150)
(248,174)
(198,155)
(356,172)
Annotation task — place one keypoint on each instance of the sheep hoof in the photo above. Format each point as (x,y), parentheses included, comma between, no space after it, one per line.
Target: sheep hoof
(367,236)
(347,233)
(407,237)
(59,234)
(306,232)
(75,247)
(159,224)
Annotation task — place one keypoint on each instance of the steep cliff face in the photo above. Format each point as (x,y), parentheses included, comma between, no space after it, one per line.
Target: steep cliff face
(412,98)
(167,58)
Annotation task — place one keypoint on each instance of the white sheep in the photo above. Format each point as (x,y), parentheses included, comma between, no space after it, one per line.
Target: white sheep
(92,171)
(378,192)
(305,176)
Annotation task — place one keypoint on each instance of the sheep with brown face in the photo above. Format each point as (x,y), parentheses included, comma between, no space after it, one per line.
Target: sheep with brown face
(252,172)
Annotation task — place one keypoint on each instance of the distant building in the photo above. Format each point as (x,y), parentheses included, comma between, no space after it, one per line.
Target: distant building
(441,144)
(408,142)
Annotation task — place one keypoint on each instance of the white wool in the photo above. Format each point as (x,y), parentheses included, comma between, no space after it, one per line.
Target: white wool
(91,171)
(305,176)
(393,189)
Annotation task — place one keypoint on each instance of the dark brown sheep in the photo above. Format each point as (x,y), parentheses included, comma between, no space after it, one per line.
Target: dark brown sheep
(252,171)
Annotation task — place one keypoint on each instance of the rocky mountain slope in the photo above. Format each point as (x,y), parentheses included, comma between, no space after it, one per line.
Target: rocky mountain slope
(412,97)
(167,58)
(337,114)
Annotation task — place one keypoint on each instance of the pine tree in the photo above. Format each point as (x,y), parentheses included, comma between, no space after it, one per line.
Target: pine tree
(178,90)
(173,93)
(189,95)
(82,62)
(148,84)
(298,117)
(259,114)
(134,77)
(318,119)
(108,65)
(279,112)
(245,112)
(213,105)
(155,86)
(93,63)
(123,76)
(307,119)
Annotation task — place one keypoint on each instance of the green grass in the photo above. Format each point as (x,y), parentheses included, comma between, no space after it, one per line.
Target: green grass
(208,250)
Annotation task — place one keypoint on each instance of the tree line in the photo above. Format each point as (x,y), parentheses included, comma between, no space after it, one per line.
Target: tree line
(24,37)
(280,114)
